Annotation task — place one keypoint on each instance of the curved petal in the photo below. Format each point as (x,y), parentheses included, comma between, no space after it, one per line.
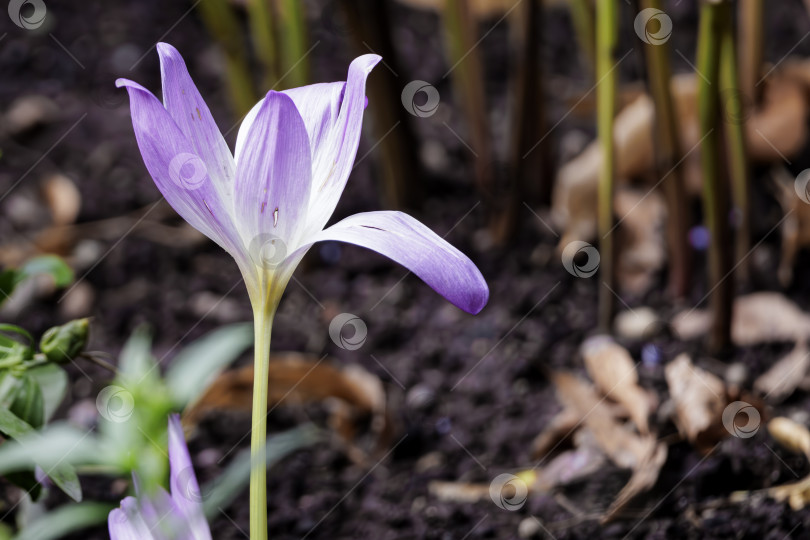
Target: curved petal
(189,111)
(335,155)
(184,487)
(402,238)
(319,106)
(273,175)
(126,523)
(179,172)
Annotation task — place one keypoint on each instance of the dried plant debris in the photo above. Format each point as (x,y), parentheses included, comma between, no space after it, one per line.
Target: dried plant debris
(349,393)
(556,433)
(614,373)
(794,437)
(700,398)
(645,475)
(782,379)
(639,452)
(761,317)
(775,130)
(624,447)
(790,434)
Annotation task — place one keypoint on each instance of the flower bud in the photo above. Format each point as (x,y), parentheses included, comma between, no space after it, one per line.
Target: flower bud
(61,344)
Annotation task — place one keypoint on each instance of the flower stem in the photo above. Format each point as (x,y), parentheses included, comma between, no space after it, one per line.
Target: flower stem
(263,322)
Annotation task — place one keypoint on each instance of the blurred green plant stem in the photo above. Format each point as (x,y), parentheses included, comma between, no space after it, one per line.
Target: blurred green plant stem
(280,44)
(606,39)
(714,17)
(669,162)
(733,102)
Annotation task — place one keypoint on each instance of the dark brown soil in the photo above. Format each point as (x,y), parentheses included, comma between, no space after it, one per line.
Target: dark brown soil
(484,375)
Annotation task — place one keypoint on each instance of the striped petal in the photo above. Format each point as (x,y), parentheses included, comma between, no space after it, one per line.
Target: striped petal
(178,170)
(273,174)
(189,111)
(405,240)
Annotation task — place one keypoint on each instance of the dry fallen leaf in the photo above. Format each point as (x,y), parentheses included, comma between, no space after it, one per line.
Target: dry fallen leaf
(645,475)
(621,445)
(556,432)
(790,434)
(614,373)
(350,392)
(761,317)
(700,399)
(780,381)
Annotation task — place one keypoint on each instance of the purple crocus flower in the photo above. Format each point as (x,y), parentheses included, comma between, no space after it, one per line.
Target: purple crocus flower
(268,203)
(178,516)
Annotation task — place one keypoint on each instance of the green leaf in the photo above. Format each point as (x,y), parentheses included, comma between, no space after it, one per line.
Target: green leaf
(236,477)
(12,425)
(65,520)
(53,450)
(14,329)
(52,265)
(8,282)
(53,381)
(197,365)
(136,361)
(28,403)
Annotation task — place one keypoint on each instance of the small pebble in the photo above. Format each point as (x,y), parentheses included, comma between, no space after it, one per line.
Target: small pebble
(529,527)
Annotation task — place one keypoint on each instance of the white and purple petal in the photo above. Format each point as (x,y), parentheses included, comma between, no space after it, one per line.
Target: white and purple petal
(185,491)
(179,172)
(273,176)
(334,160)
(127,523)
(405,240)
(190,112)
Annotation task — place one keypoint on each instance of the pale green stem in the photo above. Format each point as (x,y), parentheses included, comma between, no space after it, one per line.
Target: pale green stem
(263,322)
(607,39)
